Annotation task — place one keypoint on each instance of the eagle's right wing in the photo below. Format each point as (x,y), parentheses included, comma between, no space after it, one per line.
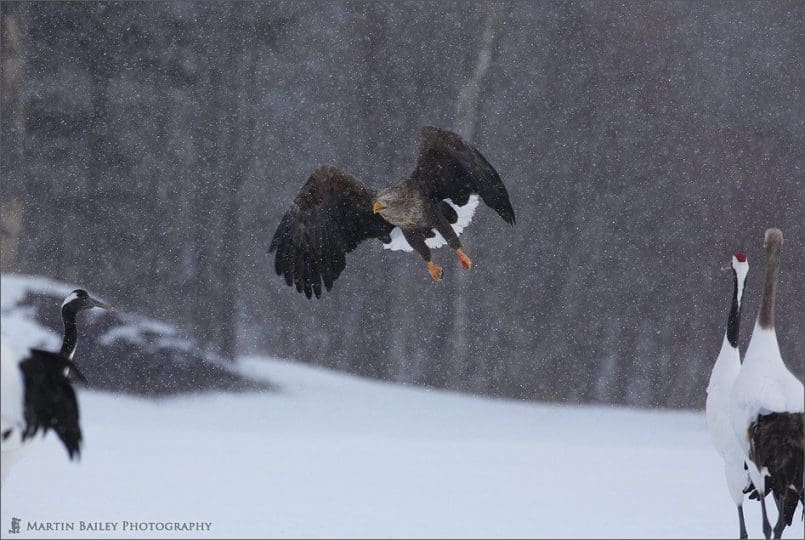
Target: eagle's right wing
(330,216)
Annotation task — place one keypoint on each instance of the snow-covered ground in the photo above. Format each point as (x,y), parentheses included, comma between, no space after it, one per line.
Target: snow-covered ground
(335,456)
(331,455)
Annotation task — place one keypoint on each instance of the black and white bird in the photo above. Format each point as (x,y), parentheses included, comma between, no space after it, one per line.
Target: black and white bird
(719,392)
(37,392)
(767,407)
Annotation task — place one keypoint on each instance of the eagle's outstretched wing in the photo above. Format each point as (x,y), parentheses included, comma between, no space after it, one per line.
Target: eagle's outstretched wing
(49,398)
(330,216)
(449,168)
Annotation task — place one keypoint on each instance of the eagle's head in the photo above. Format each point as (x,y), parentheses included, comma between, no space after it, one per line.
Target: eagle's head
(391,204)
(385,200)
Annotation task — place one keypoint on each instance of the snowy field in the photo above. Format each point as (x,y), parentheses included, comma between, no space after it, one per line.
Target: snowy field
(331,455)
(336,456)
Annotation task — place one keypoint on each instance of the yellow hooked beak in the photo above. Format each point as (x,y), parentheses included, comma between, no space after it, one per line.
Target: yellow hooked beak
(378,206)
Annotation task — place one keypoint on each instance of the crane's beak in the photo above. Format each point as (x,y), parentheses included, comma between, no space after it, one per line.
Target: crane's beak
(378,206)
(99,304)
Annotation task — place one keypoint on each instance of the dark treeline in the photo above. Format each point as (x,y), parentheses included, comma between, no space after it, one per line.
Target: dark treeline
(150,149)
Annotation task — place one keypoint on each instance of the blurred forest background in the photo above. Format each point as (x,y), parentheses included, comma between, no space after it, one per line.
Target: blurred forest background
(150,149)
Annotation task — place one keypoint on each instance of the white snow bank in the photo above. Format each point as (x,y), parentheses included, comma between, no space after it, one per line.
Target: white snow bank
(19,322)
(337,456)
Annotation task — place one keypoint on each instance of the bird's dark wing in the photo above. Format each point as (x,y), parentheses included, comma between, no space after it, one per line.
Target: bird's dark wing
(449,168)
(330,216)
(777,445)
(49,398)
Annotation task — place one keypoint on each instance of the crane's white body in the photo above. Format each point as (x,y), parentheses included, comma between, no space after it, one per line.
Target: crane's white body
(12,420)
(764,385)
(717,407)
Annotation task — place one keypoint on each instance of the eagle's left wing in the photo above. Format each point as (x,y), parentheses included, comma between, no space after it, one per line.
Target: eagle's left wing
(449,168)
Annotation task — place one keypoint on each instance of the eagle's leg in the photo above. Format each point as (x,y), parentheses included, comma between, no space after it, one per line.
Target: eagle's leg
(417,241)
(435,271)
(446,230)
(464,259)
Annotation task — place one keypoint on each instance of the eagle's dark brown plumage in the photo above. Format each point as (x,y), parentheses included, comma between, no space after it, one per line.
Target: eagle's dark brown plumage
(333,212)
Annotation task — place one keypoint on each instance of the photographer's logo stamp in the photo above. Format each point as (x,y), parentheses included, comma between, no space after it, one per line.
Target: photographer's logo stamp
(111,526)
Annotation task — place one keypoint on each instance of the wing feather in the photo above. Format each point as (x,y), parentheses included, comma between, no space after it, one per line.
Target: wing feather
(50,401)
(449,168)
(330,216)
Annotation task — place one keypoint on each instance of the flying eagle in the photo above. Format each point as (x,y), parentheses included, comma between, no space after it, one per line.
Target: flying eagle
(333,212)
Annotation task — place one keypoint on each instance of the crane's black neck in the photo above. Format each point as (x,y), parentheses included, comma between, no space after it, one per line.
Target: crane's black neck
(734,319)
(766,316)
(70,332)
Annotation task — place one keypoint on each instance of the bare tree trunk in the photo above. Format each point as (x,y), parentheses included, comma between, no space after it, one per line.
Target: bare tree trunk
(12,207)
(206,307)
(239,122)
(470,95)
(11,213)
(466,119)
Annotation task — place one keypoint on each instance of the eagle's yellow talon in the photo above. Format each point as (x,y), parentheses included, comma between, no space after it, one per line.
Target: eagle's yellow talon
(435,271)
(466,262)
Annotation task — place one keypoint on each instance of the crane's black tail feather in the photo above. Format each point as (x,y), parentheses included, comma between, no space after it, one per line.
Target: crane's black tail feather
(49,398)
(776,443)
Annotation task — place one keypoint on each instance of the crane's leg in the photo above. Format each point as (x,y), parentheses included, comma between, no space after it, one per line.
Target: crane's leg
(766,524)
(779,527)
(742,523)
(784,506)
